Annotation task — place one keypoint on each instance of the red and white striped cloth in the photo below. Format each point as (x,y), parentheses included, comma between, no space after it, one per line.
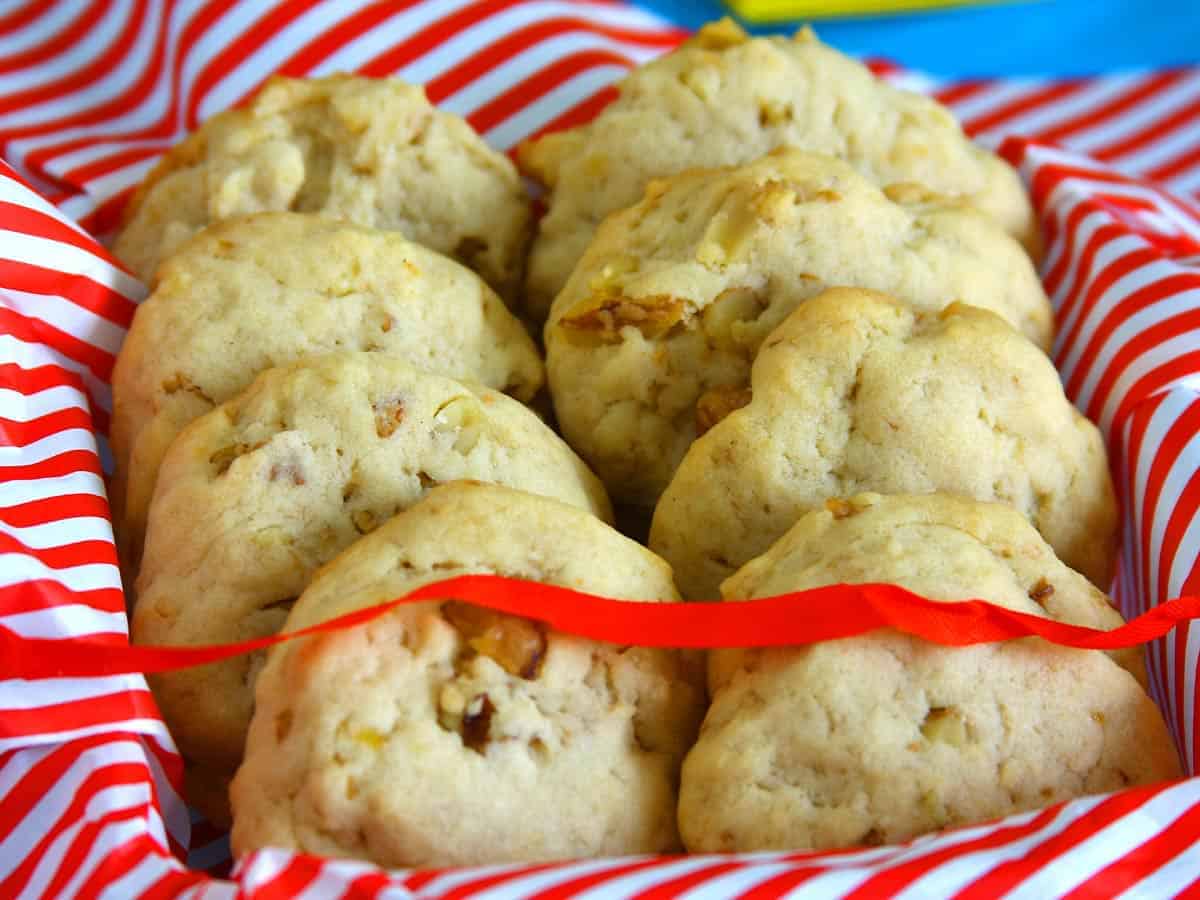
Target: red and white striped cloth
(92,91)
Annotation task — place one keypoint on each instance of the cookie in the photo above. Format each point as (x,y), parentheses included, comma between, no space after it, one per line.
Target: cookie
(855,392)
(880,738)
(258,493)
(265,290)
(443,734)
(725,98)
(655,332)
(371,151)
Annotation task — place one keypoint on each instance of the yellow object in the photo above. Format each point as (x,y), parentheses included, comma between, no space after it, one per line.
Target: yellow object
(777,10)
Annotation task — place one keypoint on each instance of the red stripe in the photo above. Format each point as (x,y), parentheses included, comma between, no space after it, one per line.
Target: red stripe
(340,33)
(79,290)
(165,126)
(961,90)
(469,888)
(173,884)
(110,59)
(244,45)
(105,709)
(38,379)
(67,463)
(56,43)
(99,113)
(111,162)
(574,886)
(1112,108)
(68,864)
(1050,175)
(124,859)
(37,331)
(1126,871)
(131,97)
(1088,287)
(674,887)
(1064,265)
(437,33)
(301,871)
(98,779)
(42,593)
(1144,341)
(66,556)
(1007,875)
(1129,462)
(432,36)
(511,45)
(107,215)
(894,878)
(1186,425)
(41,776)
(14,433)
(1159,127)
(115,865)
(15,217)
(580,113)
(1177,166)
(1018,105)
(369,884)
(781,884)
(525,93)
(1158,378)
(53,509)
(23,15)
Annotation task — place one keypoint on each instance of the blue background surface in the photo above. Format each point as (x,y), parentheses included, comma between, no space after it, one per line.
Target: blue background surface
(1033,37)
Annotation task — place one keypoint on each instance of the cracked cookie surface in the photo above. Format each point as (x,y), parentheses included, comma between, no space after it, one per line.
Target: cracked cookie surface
(676,294)
(724,98)
(369,150)
(258,493)
(272,288)
(444,734)
(855,392)
(878,739)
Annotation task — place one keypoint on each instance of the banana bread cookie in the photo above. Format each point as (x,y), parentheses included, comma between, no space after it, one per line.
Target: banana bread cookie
(857,392)
(444,734)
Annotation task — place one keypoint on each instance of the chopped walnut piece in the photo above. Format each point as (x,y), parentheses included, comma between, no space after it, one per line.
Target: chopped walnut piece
(715,404)
(289,470)
(840,508)
(389,414)
(477,722)
(224,457)
(363,520)
(1041,592)
(180,382)
(517,644)
(652,316)
(911,192)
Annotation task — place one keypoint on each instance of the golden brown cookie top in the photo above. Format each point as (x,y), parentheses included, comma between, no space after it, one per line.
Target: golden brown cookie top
(880,738)
(257,494)
(725,98)
(856,392)
(268,289)
(372,151)
(469,736)
(940,546)
(675,295)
